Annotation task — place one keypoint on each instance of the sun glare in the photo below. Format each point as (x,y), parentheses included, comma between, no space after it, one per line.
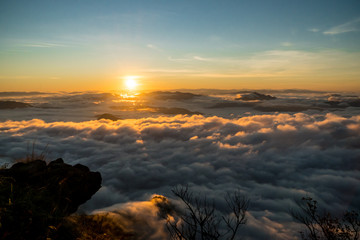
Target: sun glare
(131,82)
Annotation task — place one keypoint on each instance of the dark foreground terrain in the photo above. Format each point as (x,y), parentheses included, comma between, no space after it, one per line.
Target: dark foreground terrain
(36,197)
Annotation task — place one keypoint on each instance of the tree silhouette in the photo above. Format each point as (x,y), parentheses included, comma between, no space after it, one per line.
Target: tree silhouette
(319,226)
(198,218)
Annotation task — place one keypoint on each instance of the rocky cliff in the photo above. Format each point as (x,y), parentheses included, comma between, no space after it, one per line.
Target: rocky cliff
(35,197)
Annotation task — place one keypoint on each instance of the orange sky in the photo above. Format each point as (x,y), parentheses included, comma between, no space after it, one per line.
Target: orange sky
(93,46)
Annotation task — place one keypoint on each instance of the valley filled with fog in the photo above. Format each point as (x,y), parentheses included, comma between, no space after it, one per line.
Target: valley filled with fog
(275,147)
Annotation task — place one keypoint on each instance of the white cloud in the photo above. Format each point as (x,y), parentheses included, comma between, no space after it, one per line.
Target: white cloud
(351,26)
(273,159)
(139,219)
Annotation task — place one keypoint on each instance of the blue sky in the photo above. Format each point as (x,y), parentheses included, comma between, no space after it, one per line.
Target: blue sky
(199,42)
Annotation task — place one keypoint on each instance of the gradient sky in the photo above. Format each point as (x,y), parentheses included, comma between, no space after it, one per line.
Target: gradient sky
(91,45)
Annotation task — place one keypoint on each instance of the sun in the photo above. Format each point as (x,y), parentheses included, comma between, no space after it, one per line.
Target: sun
(131,82)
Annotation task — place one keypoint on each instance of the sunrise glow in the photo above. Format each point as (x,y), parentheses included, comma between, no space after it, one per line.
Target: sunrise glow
(131,83)
(183,111)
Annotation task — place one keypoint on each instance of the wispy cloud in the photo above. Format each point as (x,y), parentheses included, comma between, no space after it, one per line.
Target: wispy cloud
(152,46)
(286,44)
(203,59)
(314,30)
(351,26)
(272,63)
(15,77)
(216,59)
(42,45)
(194,58)
(234,75)
(159,70)
(179,59)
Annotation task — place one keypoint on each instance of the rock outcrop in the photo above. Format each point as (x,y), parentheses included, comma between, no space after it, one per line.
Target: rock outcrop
(255,96)
(35,196)
(107,116)
(173,95)
(13,104)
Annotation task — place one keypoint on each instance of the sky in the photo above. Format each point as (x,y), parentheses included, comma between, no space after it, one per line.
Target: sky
(94,45)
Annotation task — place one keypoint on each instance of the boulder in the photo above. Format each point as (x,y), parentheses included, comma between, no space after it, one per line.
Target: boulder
(36,196)
(13,104)
(107,116)
(255,96)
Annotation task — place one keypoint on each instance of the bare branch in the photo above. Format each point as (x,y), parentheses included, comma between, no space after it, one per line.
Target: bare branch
(200,221)
(326,226)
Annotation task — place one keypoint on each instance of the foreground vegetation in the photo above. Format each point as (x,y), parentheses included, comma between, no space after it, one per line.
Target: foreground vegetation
(321,224)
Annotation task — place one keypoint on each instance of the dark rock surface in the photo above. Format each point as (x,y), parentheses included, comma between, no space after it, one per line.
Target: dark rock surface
(35,196)
(175,111)
(232,104)
(13,104)
(255,96)
(173,95)
(284,108)
(354,103)
(107,116)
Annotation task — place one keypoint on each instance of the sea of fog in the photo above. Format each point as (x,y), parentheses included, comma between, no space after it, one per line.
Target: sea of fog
(275,147)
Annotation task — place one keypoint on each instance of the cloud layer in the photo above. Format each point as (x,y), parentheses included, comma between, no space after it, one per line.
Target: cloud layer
(273,159)
(85,106)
